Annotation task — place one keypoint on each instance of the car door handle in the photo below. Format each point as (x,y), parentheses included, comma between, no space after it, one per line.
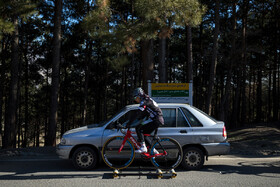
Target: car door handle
(183,131)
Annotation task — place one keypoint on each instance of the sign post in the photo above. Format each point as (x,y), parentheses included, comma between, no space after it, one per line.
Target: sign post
(171,92)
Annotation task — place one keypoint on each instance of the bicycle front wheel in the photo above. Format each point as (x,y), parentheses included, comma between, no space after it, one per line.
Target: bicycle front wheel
(118,159)
(169,154)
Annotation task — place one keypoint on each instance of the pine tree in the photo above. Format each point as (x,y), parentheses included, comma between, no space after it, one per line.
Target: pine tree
(51,137)
(15,11)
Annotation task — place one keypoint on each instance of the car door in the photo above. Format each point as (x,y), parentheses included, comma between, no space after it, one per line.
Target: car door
(175,125)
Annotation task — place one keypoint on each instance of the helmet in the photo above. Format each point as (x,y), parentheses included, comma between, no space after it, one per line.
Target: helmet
(138,92)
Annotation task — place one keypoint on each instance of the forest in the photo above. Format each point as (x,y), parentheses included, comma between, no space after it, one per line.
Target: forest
(70,63)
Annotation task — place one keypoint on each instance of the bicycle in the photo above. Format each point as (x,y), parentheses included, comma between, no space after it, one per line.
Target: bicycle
(118,152)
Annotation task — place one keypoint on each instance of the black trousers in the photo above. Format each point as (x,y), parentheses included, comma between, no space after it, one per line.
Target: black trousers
(147,128)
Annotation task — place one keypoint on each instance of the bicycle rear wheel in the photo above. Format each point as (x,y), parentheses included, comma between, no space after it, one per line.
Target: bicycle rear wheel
(115,159)
(173,156)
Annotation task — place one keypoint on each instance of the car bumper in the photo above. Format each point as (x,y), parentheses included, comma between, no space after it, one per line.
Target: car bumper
(217,148)
(63,151)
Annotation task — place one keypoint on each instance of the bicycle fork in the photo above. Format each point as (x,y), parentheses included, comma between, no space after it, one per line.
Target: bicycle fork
(164,152)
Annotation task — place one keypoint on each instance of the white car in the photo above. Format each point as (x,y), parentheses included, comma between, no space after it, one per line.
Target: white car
(199,135)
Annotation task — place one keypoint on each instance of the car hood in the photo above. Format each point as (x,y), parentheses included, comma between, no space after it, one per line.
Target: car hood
(85,130)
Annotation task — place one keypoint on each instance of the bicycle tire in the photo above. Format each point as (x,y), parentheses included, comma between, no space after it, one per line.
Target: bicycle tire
(111,155)
(174,153)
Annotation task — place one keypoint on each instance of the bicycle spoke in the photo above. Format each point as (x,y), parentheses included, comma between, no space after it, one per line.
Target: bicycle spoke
(170,153)
(115,159)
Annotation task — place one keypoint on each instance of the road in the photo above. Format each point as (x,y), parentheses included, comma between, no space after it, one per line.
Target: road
(217,171)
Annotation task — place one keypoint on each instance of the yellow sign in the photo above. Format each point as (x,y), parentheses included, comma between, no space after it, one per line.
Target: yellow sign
(170,86)
(171,92)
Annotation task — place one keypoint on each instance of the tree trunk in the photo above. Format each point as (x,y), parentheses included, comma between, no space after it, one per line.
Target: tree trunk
(269,94)
(214,58)
(199,73)
(10,121)
(275,95)
(87,71)
(18,117)
(123,98)
(132,76)
(162,57)
(189,54)
(2,84)
(250,83)
(259,91)
(244,61)
(37,125)
(148,62)
(64,102)
(241,76)
(51,140)
(104,88)
(1,105)
(224,107)
(46,118)
(26,98)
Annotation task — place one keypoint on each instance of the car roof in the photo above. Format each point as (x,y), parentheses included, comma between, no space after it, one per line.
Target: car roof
(164,105)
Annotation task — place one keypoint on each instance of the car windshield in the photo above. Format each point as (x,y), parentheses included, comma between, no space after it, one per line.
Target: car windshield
(101,124)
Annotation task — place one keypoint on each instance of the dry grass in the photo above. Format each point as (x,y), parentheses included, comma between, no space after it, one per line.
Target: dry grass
(261,139)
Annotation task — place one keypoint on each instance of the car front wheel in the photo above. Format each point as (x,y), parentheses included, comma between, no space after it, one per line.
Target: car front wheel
(193,158)
(84,158)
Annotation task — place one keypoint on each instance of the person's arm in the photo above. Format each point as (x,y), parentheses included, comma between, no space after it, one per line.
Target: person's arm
(134,118)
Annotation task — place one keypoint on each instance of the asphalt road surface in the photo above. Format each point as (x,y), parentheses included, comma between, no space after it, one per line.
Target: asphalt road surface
(217,171)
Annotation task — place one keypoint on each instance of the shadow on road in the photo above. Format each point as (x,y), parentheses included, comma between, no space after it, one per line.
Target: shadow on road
(263,169)
(59,169)
(52,169)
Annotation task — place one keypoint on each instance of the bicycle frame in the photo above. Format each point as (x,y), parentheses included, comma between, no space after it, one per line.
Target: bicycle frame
(128,135)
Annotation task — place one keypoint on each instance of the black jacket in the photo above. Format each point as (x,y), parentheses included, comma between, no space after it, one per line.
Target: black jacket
(148,108)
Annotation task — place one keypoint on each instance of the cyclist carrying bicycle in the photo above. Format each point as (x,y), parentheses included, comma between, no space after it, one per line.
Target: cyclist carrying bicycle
(149,109)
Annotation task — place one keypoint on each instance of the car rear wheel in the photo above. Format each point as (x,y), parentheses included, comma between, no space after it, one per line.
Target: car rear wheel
(193,158)
(84,158)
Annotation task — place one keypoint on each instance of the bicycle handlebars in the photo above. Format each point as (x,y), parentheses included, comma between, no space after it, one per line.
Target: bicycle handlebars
(121,128)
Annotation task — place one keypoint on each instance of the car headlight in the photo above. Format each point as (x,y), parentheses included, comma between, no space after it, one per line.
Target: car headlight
(63,141)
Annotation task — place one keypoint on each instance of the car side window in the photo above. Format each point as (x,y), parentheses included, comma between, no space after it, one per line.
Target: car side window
(194,122)
(169,116)
(173,117)
(181,121)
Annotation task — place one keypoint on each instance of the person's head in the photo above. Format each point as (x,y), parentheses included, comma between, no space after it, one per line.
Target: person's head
(137,94)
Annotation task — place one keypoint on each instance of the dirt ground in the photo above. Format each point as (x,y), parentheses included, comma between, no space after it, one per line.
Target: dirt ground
(260,139)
